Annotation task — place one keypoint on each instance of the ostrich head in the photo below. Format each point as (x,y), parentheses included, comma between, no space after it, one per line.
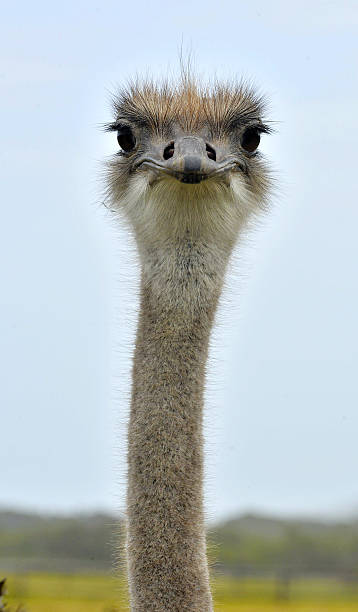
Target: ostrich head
(188,160)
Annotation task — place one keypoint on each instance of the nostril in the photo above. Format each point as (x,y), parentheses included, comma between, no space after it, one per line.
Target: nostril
(169,151)
(211,153)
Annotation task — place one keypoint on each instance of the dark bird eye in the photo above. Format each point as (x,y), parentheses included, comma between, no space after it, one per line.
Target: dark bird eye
(250,140)
(126,139)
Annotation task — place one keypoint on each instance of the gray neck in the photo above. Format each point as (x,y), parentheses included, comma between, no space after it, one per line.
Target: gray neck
(166,545)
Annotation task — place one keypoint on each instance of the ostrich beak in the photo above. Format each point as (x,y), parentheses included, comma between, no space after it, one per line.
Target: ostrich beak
(189,159)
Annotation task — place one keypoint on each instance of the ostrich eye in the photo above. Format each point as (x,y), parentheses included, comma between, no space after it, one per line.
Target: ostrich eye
(250,140)
(126,139)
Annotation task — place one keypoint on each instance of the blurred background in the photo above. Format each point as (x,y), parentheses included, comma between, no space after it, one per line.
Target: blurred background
(281,411)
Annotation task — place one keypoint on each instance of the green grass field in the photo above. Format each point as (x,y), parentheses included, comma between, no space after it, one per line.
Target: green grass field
(98,593)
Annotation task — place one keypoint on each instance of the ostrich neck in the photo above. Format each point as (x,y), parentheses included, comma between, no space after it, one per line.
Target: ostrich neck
(180,287)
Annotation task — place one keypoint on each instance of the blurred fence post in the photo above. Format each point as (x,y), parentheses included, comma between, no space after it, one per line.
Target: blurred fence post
(283,579)
(2,593)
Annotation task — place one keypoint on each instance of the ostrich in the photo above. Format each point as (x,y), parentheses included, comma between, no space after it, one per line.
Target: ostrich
(187,178)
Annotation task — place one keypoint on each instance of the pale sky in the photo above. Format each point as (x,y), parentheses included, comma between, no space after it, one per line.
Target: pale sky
(281,413)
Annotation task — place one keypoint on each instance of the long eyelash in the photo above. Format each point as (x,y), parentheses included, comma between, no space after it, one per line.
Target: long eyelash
(113,127)
(263,128)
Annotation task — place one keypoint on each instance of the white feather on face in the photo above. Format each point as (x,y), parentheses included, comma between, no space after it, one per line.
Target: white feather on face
(168,210)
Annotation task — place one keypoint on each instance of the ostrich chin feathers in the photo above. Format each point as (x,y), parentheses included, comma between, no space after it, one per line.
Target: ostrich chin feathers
(165,209)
